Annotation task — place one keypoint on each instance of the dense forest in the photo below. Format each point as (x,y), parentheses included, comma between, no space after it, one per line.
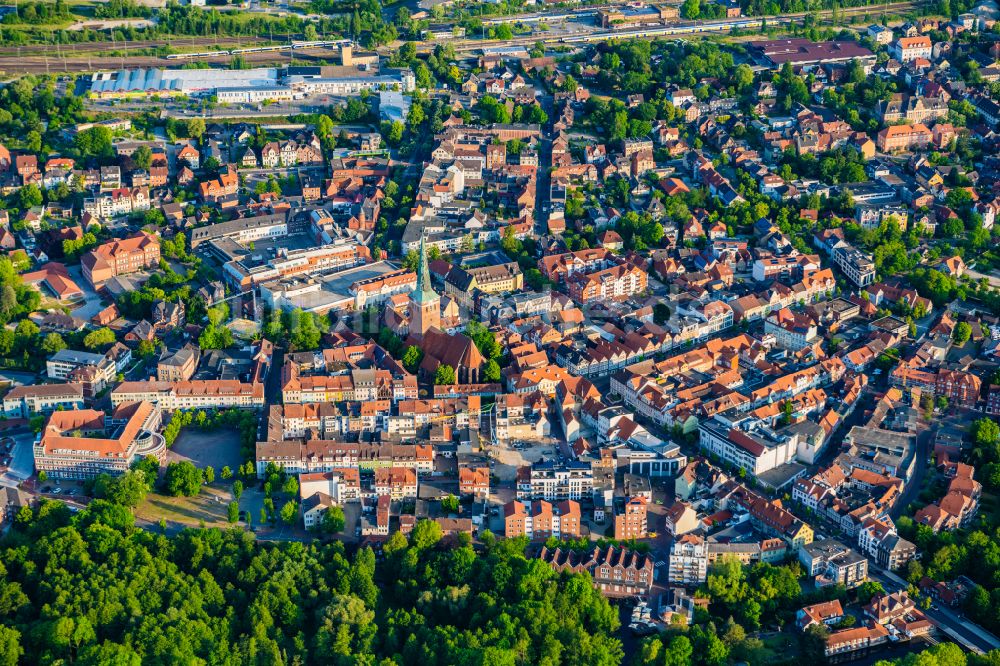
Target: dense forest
(362,21)
(92,588)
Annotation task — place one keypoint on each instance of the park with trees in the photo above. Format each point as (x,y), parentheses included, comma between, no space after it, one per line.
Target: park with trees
(92,588)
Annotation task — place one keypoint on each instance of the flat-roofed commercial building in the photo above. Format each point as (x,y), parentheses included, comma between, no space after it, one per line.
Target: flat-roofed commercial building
(351,289)
(803,52)
(243,230)
(155,81)
(249,270)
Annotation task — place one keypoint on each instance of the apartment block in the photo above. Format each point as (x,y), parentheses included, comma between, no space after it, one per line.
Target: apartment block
(616,284)
(539,519)
(688,562)
(555,481)
(396,482)
(630,519)
(94,371)
(856,265)
(906,49)
(756,451)
(832,563)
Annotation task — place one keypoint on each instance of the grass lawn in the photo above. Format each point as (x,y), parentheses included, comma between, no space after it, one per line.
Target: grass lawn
(989,506)
(780,647)
(208,506)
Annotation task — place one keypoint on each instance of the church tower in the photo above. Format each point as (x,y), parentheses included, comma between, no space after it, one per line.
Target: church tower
(425,304)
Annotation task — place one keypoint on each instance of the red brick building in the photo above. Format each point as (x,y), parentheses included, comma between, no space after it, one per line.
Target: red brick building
(121,257)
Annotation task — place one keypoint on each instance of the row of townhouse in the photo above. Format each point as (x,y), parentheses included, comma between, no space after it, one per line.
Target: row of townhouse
(961,388)
(117,202)
(696,320)
(603,357)
(616,572)
(317,455)
(814,286)
(827,494)
(356,385)
(326,420)
(406,418)
(824,373)
(344,484)
(768,516)
(644,386)
(286,154)
(192,394)
(879,540)
(412,416)
(691,556)
(320,491)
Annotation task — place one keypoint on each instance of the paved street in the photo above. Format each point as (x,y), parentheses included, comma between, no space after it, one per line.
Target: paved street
(911,490)
(91,303)
(544,183)
(976,276)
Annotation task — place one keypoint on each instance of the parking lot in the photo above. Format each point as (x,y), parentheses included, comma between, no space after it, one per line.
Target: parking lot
(207,448)
(6,452)
(17,457)
(517,453)
(62,489)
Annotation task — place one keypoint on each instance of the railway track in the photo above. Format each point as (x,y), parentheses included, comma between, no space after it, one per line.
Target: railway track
(38,59)
(686,28)
(97,48)
(12,65)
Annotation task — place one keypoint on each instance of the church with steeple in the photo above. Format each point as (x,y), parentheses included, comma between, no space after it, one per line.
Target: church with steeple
(425,304)
(440,347)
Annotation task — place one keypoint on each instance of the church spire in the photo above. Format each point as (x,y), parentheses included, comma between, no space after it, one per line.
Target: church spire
(424,293)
